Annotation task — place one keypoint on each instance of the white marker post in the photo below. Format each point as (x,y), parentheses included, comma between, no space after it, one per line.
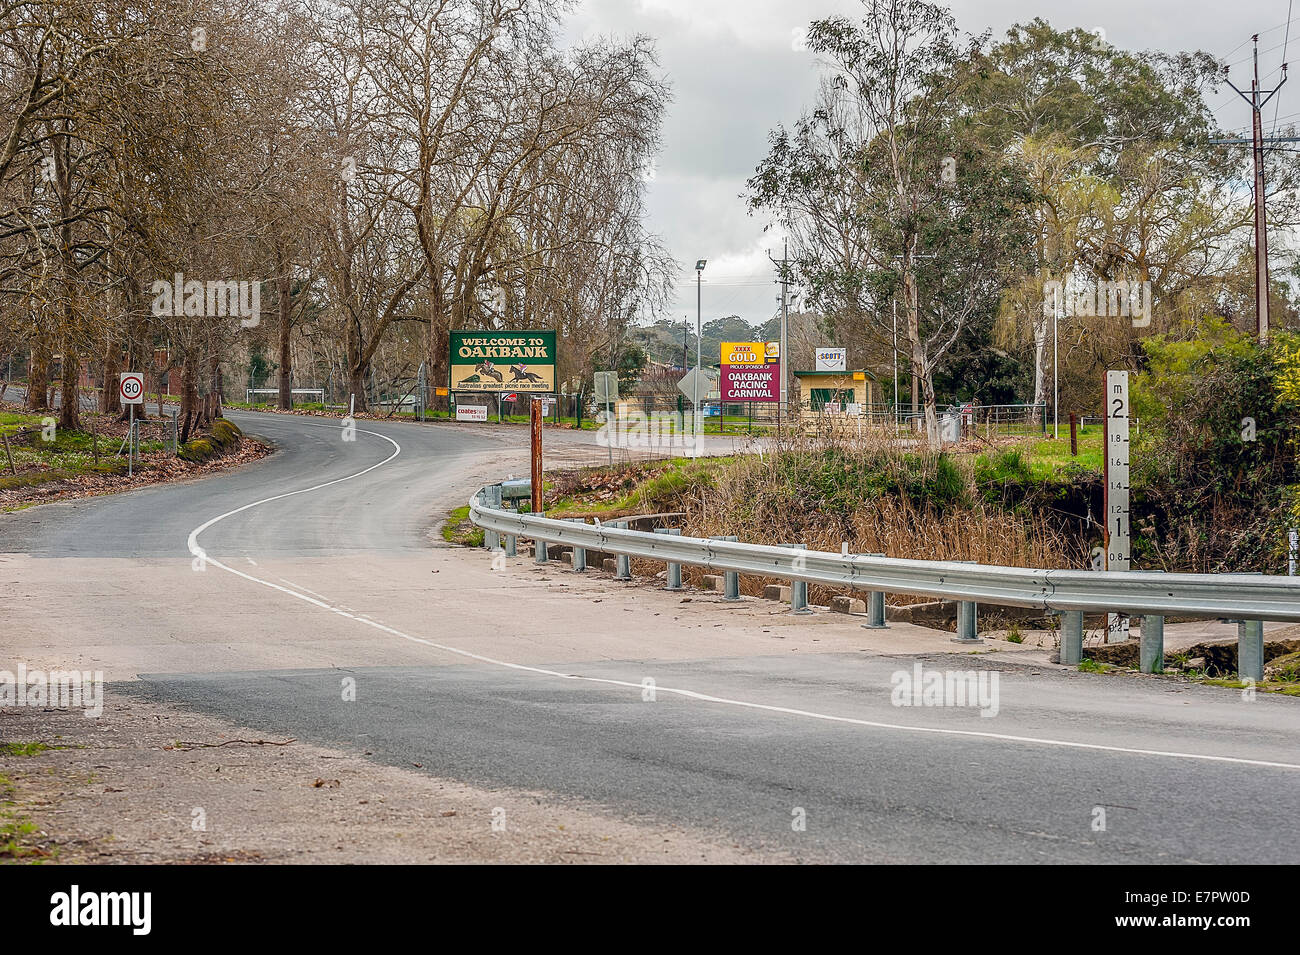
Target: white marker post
(1293,552)
(1118,542)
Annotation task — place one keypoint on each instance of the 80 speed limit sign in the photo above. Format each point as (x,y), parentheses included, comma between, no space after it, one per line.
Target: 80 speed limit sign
(132,388)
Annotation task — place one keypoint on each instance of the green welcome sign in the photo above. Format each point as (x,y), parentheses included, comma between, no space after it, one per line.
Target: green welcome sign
(503,361)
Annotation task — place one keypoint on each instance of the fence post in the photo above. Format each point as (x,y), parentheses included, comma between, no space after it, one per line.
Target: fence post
(875,606)
(1250,650)
(798,589)
(674,581)
(579,553)
(1071,638)
(622,562)
(1151,655)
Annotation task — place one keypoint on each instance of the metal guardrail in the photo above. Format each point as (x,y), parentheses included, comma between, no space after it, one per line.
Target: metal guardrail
(1227,596)
(1248,599)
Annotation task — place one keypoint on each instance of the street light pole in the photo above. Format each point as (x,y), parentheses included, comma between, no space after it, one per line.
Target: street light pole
(1056,383)
(699,277)
(896,420)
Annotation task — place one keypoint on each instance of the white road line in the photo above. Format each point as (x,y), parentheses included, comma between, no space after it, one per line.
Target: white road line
(689,694)
(305,590)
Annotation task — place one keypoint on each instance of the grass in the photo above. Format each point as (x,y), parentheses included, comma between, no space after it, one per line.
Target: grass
(16,829)
(645,486)
(25,749)
(67,454)
(1283,687)
(458,529)
(1050,458)
(1087,665)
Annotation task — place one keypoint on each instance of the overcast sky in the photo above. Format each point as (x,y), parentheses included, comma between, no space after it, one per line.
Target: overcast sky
(736,73)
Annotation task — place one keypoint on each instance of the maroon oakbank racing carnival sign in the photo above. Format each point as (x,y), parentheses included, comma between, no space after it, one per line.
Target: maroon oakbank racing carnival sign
(751,371)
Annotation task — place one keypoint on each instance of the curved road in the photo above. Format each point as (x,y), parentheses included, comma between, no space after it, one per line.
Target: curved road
(321,560)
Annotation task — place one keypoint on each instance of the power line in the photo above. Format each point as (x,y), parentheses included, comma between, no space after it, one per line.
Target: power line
(1257,100)
(1284,43)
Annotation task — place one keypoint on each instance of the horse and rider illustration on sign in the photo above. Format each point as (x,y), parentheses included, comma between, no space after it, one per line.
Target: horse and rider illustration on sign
(503,361)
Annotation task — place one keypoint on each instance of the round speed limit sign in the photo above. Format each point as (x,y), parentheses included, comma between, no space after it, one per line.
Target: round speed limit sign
(132,388)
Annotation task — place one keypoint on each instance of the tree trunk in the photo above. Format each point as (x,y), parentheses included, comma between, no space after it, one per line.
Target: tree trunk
(189,395)
(357,369)
(38,378)
(70,393)
(284,288)
(1041,323)
(931,412)
(214,387)
(439,329)
(112,403)
(357,389)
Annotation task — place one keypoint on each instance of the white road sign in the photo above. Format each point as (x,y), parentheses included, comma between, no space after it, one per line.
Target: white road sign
(132,388)
(471,412)
(832,359)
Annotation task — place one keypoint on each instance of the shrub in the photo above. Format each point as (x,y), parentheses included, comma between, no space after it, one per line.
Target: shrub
(1215,464)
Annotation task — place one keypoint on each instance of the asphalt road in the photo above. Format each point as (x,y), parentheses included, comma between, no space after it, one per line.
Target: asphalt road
(319,566)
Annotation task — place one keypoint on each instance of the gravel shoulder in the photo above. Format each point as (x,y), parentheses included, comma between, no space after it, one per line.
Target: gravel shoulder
(121,790)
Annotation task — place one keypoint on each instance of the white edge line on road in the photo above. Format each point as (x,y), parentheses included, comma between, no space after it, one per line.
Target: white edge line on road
(689,694)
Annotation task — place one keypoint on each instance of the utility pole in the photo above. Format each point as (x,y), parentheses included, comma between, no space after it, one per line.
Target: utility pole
(785,321)
(1257,98)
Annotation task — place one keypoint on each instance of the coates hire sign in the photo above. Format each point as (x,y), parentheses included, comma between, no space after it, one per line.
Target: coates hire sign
(503,361)
(832,359)
(751,371)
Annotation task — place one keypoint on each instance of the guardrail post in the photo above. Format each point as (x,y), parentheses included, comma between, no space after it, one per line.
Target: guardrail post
(798,589)
(622,562)
(579,553)
(1151,655)
(875,606)
(1072,637)
(511,545)
(967,625)
(674,581)
(1250,650)
(730,578)
(540,555)
(967,619)
(492,498)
